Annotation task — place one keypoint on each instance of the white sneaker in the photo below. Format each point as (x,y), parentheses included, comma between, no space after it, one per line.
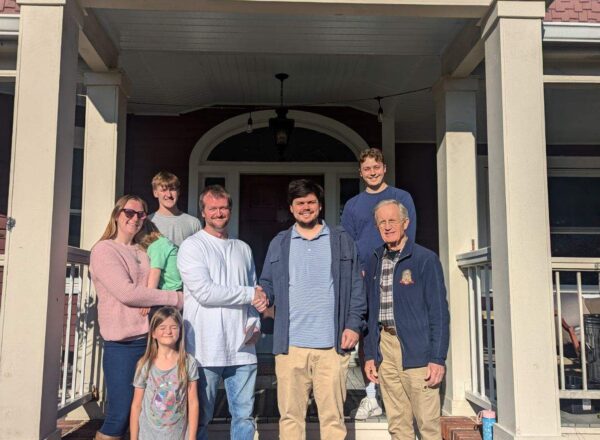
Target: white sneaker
(369,407)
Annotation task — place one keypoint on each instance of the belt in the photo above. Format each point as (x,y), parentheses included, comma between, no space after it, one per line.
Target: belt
(388,329)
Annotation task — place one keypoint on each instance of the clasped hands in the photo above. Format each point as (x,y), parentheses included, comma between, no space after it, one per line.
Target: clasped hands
(260,300)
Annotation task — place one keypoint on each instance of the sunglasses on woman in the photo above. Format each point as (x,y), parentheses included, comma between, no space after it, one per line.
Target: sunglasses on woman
(129,213)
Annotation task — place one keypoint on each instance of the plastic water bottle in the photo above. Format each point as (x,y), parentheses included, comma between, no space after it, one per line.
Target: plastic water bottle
(487,418)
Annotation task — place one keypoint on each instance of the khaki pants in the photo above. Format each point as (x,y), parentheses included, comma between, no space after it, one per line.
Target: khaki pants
(325,372)
(405,394)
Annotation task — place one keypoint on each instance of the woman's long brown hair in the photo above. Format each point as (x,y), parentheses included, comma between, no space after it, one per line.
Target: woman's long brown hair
(111,229)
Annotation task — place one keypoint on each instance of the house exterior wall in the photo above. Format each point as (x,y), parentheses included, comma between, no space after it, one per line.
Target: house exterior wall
(157,143)
(416,172)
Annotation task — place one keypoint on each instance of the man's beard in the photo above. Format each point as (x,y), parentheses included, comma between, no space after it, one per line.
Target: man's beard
(308,225)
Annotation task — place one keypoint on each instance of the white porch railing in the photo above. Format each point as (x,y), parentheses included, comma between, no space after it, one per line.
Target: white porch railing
(80,367)
(477,267)
(577,309)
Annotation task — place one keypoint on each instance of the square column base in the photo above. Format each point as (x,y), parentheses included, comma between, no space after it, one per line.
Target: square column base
(501,433)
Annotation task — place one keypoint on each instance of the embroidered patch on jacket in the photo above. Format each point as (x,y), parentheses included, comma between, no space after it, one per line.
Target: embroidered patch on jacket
(406,277)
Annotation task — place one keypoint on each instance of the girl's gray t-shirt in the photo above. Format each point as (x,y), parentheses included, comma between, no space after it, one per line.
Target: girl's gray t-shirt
(164,407)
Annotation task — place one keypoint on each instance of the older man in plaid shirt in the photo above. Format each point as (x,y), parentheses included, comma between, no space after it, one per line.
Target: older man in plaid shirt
(407,341)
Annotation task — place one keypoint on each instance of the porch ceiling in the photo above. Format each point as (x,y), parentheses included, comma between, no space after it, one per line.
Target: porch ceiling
(179,62)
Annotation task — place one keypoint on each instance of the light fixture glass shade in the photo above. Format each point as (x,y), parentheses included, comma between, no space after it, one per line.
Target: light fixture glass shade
(281,127)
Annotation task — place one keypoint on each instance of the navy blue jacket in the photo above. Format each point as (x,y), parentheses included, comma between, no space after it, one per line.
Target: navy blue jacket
(350,299)
(420,307)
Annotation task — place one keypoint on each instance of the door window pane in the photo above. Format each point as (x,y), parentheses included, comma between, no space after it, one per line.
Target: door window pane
(214,181)
(349,187)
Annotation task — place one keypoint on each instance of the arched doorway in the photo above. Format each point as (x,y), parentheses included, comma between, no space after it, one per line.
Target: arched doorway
(219,157)
(256,175)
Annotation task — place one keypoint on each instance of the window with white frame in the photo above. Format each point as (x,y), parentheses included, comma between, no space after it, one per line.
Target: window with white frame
(574,205)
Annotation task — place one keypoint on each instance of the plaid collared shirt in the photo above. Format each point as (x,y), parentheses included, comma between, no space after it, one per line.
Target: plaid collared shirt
(386,301)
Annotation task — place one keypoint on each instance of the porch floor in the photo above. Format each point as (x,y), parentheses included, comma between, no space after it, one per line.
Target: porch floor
(265,406)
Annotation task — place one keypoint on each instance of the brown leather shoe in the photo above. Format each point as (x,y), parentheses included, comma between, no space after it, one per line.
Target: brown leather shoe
(100,436)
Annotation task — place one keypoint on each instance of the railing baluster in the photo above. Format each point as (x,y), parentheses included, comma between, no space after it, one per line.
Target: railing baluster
(67,339)
(75,372)
(85,295)
(473,328)
(558,324)
(489,334)
(582,333)
(480,358)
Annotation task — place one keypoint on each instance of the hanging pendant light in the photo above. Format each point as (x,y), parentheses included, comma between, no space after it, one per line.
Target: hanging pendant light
(281,126)
(249,124)
(380,110)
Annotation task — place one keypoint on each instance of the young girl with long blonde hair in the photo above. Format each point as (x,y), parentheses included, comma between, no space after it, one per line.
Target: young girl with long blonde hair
(165,401)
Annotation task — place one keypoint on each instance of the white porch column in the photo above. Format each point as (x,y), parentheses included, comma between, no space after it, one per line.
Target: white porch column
(36,251)
(388,145)
(104,151)
(526,370)
(457,204)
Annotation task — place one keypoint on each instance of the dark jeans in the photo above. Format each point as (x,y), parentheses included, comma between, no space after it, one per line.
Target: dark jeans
(119,368)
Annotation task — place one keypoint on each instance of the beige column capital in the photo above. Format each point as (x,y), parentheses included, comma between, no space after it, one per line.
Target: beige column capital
(113,78)
(104,150)
(518,9)
(71,6)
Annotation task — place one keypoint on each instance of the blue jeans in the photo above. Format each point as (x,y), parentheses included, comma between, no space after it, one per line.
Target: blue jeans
(239,385)
(118,364)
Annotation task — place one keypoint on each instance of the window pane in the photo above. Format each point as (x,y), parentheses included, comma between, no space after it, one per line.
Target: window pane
(304,146)
(575,245)
(214,181)
(75,229)
(77,184)
(574,208)
(574,202)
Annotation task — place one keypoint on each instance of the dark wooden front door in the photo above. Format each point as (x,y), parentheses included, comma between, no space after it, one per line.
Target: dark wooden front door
(264,210)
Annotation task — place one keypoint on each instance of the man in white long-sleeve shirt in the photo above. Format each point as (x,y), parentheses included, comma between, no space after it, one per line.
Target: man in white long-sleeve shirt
(220,312)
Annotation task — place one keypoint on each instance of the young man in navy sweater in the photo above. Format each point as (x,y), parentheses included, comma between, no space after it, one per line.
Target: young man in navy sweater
(357,220)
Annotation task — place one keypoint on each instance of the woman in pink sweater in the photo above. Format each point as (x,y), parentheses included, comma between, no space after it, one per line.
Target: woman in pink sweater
(119,270)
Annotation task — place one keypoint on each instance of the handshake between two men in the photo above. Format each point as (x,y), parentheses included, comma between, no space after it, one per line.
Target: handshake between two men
(260,300)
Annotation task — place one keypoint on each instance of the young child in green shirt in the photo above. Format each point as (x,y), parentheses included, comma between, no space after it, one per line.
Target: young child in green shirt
(163,259)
